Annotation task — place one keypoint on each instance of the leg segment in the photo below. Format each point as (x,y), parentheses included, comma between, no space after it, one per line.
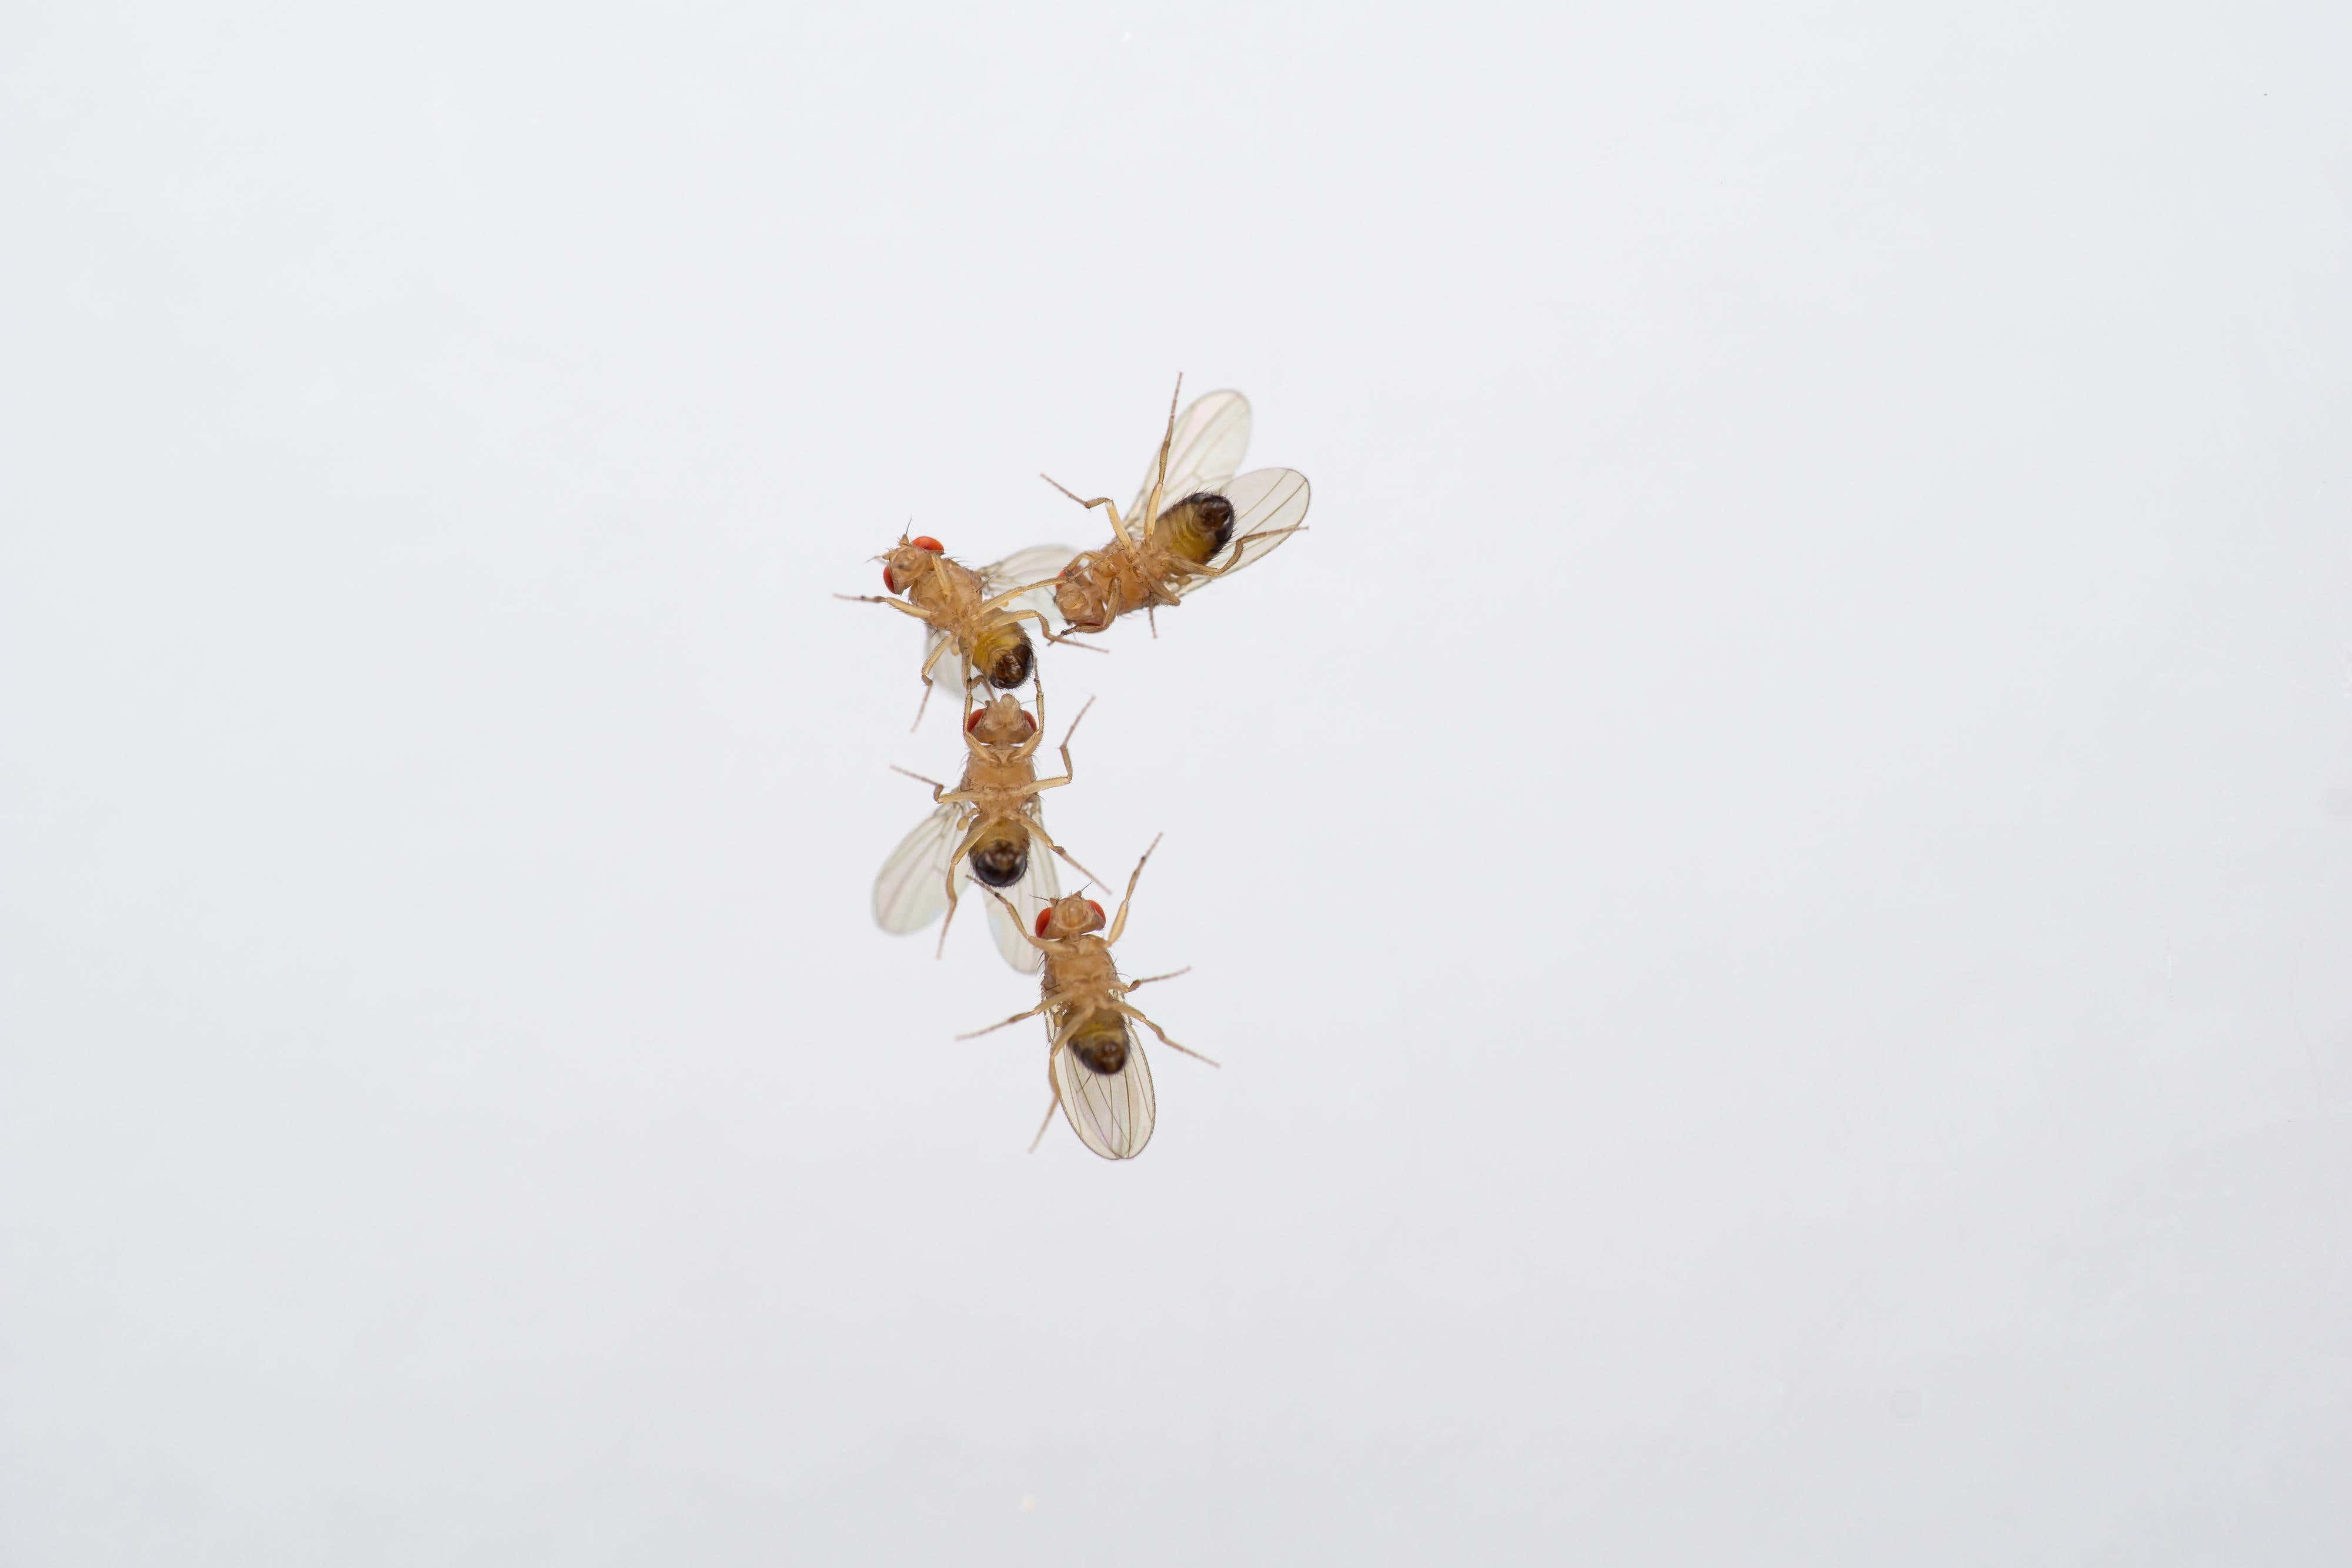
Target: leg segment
(993,1027)
(1235,564)
(1160,473)
(1119,924)
(899,605)
(955,859)
(1037,831)
(1051,635)
(1118,526)
(1069,771)
(1165,1040)
(1026,935)
(937,789)
(1052,1106)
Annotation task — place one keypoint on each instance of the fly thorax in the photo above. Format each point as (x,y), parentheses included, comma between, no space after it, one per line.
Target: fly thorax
(987,773)
(1082,965)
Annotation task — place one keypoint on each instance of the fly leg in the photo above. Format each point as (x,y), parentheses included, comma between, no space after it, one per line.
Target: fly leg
(898,605)
(1119,924)
(1006,598)
(1015,1019)
(1149,978)
(1159,473)
(999,601)
(1165,1040)
(921,615)
(1051,635)
(1052,1106)
(1118,526)
(1060,1034)
(932,658)
(955,859)
(1023,930)
(966,675)
(946,642)
(1028,748)
(1158,593)
(996,607)
(937,789)
(1037,831)
(1233,563)
(1068,772)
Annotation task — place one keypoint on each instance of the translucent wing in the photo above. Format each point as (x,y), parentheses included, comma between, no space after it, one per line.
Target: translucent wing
(1212,434)
(911,889)
(1040,885)
(1034,565)
(1111,1112)
(1267,504)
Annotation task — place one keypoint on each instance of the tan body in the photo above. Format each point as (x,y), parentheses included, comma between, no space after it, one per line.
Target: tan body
(982,628)
(1188,526)
(1091,1057)
(1133,573)
(998,820)
(948,595)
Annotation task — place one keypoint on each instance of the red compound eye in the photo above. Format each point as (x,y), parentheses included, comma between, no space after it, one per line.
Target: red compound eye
(1096,908)
(1042,916)
(889,582)
(926,542)
(972,721)
(1032,721)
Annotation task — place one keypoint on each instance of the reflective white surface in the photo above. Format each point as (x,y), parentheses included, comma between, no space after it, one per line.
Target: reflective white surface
(1769,875)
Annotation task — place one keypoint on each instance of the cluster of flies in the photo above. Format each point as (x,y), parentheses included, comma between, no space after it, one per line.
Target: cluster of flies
(1195,519)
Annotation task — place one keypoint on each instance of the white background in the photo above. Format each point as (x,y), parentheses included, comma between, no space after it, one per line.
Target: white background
(1771,877)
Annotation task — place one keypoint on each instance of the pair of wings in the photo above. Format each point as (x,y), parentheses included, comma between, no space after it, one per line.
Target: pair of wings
(911,889)
(1112,1113)
(1204,451)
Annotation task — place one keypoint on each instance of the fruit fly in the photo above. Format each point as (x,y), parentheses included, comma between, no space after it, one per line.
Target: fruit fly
(979,614)
(1191,522)
(1093,1062)
(989,829)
